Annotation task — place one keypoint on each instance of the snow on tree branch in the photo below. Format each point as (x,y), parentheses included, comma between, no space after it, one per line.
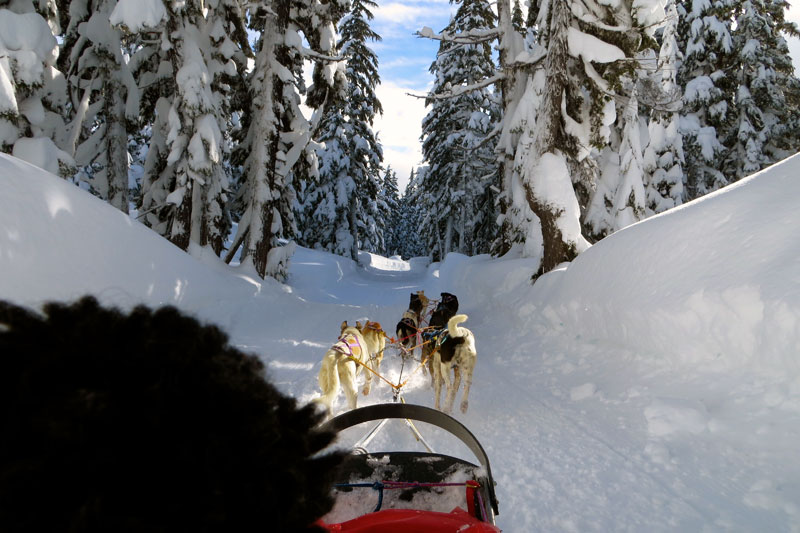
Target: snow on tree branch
(590,48)
(466,37)
(461,89)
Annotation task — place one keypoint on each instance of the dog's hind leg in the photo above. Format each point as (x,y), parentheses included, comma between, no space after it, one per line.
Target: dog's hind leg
(448,387)
(368,380)
(431,370)
(328,382)
(452,390)
(436,376)
(347,375)
(467,382)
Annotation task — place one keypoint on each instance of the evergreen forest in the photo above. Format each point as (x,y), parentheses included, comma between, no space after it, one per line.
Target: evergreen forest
(245,127)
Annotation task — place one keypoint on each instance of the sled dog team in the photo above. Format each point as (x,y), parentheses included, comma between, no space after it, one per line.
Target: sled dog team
(448,351)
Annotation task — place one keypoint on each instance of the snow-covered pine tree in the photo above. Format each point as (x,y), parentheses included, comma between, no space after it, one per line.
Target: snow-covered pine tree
(764,126)
(517,18)
(590,60)
(518,225)
(663,156)
(456,134)
(277,134)
(324,218)
(410,214)
(620,197)
(189,123)
(389,209)
(342,210)
(32,90)
(530,28)
(708,77)
(104,98)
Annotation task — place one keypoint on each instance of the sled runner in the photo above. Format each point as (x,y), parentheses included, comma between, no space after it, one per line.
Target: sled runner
(401,491)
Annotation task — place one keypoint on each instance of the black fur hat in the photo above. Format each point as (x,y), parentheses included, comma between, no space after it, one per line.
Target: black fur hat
(148,421)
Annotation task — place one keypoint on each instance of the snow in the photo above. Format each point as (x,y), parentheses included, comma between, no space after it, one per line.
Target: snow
(42,152)
(552,183)
(652,384)
(138,15)
(591,48)
(8,101)
(28,40)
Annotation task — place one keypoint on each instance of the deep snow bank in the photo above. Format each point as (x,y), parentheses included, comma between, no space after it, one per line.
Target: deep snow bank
(713,284)
(58,242)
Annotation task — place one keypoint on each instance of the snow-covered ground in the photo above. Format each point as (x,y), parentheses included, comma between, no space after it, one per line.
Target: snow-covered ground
(651,385)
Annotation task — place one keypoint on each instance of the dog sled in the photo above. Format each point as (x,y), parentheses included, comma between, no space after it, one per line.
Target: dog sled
(401,491)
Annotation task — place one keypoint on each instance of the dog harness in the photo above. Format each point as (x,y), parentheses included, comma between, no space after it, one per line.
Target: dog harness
(409,316)
(375,326)
(348,345)
(436,336)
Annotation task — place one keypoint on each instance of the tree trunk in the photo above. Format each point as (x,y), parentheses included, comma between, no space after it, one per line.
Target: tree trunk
(116,140)
(180,225)
(351,216)
(265,183)
(550,136)
(508,90)
(556,250)
(448,236)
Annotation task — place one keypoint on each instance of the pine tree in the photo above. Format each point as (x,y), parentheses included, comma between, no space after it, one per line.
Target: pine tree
(518,224)
(530,27)
(708,79)
(764,125)
(570,99)
(389,206)
(277,134)
(107,99)
(341,212)
(189,145)
(517,19)
(456,137)
(621,195)
(663,157)
(32,90)
(407,228)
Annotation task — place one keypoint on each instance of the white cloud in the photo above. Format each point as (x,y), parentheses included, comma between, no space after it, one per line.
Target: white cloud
(407,61)
(410,13)
(399,129)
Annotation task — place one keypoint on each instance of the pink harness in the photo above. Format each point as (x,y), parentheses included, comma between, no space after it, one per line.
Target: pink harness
(346,345)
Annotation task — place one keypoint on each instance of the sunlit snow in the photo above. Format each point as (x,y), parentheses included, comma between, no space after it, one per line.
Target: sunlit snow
(653,384)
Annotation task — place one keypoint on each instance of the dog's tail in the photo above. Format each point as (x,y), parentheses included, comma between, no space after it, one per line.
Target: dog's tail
(452,326)
(328,380)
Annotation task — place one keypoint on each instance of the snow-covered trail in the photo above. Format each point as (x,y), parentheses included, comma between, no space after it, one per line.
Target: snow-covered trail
(569,442)
(651,385)
(546,458)
(375,280)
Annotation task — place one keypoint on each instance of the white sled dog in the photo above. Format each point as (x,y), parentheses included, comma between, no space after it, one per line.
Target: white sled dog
(457,354)
(356,343)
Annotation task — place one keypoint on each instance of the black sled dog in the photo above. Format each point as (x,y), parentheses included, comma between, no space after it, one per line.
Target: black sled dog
(409,324)
(445,310)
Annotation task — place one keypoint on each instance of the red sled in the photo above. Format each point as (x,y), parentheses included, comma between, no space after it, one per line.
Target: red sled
(411,491)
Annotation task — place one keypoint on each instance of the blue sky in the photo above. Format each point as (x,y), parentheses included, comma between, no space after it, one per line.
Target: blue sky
(404,60)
